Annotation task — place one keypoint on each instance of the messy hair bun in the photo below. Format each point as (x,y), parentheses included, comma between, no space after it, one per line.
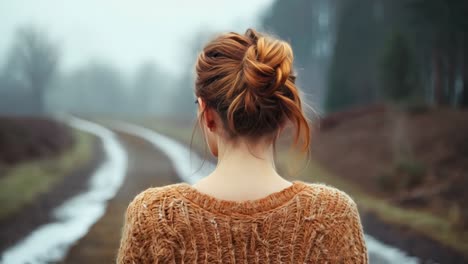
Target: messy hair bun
(248,79)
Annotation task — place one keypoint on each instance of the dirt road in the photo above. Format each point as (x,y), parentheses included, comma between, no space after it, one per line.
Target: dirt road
(150,167)
(147,168)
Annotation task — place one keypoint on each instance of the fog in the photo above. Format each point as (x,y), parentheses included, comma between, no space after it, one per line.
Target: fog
(126,32)
(89,56)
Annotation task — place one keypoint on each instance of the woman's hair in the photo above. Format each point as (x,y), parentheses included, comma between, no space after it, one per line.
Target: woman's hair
(249,81)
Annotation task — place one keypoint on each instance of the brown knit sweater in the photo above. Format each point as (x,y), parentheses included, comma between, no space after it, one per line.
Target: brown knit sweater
(303,223)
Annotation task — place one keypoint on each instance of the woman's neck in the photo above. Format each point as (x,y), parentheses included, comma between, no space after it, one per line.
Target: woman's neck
(242,163)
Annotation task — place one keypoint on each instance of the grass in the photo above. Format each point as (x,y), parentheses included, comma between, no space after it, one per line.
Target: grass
(436,227)
(24,182)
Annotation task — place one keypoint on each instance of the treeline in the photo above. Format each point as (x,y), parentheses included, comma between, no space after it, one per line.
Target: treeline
(411,51)
(347,53)
(32,82)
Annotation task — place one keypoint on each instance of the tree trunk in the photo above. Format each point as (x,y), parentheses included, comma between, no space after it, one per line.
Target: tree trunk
(39,98)
(437,76)
(464,99)
(451,76)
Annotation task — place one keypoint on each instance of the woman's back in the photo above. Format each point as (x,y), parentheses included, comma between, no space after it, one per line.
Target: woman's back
(247,96)
(303,223)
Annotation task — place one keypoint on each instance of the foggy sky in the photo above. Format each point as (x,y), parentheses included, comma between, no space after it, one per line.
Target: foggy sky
(126,32)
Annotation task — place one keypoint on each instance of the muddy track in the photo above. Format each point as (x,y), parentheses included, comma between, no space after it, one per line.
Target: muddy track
(147,167)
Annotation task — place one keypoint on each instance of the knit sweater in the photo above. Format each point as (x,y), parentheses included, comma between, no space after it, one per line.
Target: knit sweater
(303,223)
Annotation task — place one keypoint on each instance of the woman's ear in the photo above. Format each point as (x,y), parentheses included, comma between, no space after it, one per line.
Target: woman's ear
(209,119)
(208,115)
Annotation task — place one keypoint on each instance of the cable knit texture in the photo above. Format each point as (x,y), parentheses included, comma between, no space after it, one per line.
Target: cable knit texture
(303,223)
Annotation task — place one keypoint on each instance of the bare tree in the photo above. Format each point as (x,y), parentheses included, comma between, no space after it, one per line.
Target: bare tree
(33,60)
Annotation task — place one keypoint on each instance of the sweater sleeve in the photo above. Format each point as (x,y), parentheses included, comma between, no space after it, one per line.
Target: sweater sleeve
(346,240)
(134,240)
(144,238)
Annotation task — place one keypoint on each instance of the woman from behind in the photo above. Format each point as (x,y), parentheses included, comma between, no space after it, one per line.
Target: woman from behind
(244,211)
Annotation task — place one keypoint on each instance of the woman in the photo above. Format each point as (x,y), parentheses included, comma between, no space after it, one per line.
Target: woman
(244,212)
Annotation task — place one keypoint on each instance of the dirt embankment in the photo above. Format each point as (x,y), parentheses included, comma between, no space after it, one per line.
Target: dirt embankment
(28,138)
(414,159)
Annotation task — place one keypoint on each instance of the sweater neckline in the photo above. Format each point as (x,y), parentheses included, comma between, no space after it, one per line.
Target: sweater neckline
(216,205)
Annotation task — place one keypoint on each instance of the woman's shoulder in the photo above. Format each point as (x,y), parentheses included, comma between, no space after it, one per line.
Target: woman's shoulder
(153,196)
(330,200)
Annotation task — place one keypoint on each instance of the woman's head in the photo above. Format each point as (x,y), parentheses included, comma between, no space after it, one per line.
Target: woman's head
(245,85)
